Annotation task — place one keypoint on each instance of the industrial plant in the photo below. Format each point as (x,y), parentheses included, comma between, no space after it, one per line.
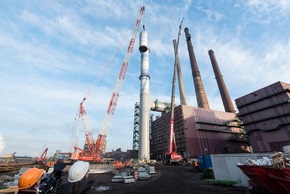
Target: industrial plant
(181,133)
(259,131)
(261,123)
(198,130)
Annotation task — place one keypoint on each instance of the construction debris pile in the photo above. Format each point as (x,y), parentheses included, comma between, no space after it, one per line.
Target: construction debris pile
(268,174)
(131,175)
(280,161)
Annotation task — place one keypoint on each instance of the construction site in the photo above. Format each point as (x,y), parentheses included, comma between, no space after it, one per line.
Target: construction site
(182,134)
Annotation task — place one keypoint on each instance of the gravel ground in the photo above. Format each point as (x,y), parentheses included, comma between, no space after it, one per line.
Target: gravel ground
(168,179)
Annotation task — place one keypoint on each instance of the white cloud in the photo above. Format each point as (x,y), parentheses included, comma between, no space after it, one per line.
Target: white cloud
(269,6)
(213,15)
(265,12)
(51,56)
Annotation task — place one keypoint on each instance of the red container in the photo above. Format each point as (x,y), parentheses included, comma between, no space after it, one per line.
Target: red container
(280,176)
(256,175)
(274,180)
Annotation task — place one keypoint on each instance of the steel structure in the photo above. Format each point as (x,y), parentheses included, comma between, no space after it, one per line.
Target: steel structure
(136,126)
(172,154)
(42,157)
(94,148)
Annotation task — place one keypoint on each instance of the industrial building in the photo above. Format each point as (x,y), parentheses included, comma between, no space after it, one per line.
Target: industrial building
(198,131)
(266,117)
(262,124)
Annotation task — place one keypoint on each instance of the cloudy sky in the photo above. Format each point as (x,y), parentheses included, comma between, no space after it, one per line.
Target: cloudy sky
(52,53)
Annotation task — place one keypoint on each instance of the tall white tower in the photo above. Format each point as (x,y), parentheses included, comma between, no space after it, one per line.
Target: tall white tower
(144,141)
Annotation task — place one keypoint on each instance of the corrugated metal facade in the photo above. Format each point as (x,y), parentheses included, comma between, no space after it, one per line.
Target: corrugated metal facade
(266,116)
(198,131)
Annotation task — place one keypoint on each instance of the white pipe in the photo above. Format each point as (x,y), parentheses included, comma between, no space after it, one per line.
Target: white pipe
(144,134)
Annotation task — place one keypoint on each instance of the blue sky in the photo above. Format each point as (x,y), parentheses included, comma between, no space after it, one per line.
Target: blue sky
(52,53)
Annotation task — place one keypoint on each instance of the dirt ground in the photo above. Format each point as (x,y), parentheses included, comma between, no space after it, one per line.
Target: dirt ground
(168,179)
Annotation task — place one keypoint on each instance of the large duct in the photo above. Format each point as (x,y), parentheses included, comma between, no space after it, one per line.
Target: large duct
(182,94)
(228,105)
(159,106)
(144,134)
(199,89)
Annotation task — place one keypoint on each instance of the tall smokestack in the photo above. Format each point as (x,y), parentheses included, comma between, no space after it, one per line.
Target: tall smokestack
(144,141)
(228,105)
(199,89)
(182,94)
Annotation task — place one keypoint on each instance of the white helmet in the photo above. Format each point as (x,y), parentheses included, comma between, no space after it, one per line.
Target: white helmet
(77,171)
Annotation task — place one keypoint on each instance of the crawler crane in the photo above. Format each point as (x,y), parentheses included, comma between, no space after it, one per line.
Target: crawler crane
(42,158)
(95,147)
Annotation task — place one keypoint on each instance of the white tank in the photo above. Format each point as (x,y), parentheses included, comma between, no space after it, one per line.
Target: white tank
(143,44)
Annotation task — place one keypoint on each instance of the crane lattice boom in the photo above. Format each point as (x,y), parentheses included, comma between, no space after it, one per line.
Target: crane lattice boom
(172,151)
(87,128)
(118,86)
(94,148)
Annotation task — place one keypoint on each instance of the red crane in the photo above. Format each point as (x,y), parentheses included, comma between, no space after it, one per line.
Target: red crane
(89,153)
(42,158)
(94,148)
(172,156)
